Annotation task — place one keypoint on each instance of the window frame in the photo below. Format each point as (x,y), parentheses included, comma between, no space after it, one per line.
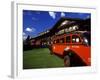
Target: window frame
(80,42)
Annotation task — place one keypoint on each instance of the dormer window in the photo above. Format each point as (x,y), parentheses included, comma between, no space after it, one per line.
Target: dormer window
(64,23)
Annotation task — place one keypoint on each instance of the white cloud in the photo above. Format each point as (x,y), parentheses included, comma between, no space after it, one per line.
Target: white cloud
(62,14)
(34,19)
(88,16)
(30,29)
(24,33)
(24,37)
(52,14)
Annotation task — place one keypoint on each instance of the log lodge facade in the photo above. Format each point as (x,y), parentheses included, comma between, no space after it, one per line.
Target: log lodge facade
(64,25)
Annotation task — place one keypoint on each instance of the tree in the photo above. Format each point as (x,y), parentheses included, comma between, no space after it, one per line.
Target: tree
(27,44)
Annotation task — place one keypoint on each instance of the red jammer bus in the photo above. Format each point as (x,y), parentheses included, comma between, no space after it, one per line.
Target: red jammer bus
(73,47)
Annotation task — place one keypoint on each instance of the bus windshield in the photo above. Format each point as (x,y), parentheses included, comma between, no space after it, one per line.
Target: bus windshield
(87,38)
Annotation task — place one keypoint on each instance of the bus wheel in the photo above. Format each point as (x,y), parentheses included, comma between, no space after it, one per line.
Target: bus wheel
(67,62)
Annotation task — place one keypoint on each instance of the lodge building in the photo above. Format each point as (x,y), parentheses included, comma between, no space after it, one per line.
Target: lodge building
(64,25)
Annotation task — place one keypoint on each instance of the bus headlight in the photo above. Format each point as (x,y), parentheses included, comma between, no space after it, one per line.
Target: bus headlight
(53,47)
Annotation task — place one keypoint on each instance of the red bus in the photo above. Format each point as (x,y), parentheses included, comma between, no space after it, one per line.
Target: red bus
(73,47)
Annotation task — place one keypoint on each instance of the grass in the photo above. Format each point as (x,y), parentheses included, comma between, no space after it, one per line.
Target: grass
(40,58)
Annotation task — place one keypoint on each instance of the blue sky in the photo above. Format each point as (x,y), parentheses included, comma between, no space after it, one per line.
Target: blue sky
(35,22)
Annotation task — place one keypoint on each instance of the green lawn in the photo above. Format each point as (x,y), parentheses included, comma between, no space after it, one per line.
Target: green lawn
(41,58)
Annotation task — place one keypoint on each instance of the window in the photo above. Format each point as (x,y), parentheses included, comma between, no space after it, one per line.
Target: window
(68,39)
(87,38)
(76,39)
(62,40)
(54,41)
(64,23)
(57,41)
